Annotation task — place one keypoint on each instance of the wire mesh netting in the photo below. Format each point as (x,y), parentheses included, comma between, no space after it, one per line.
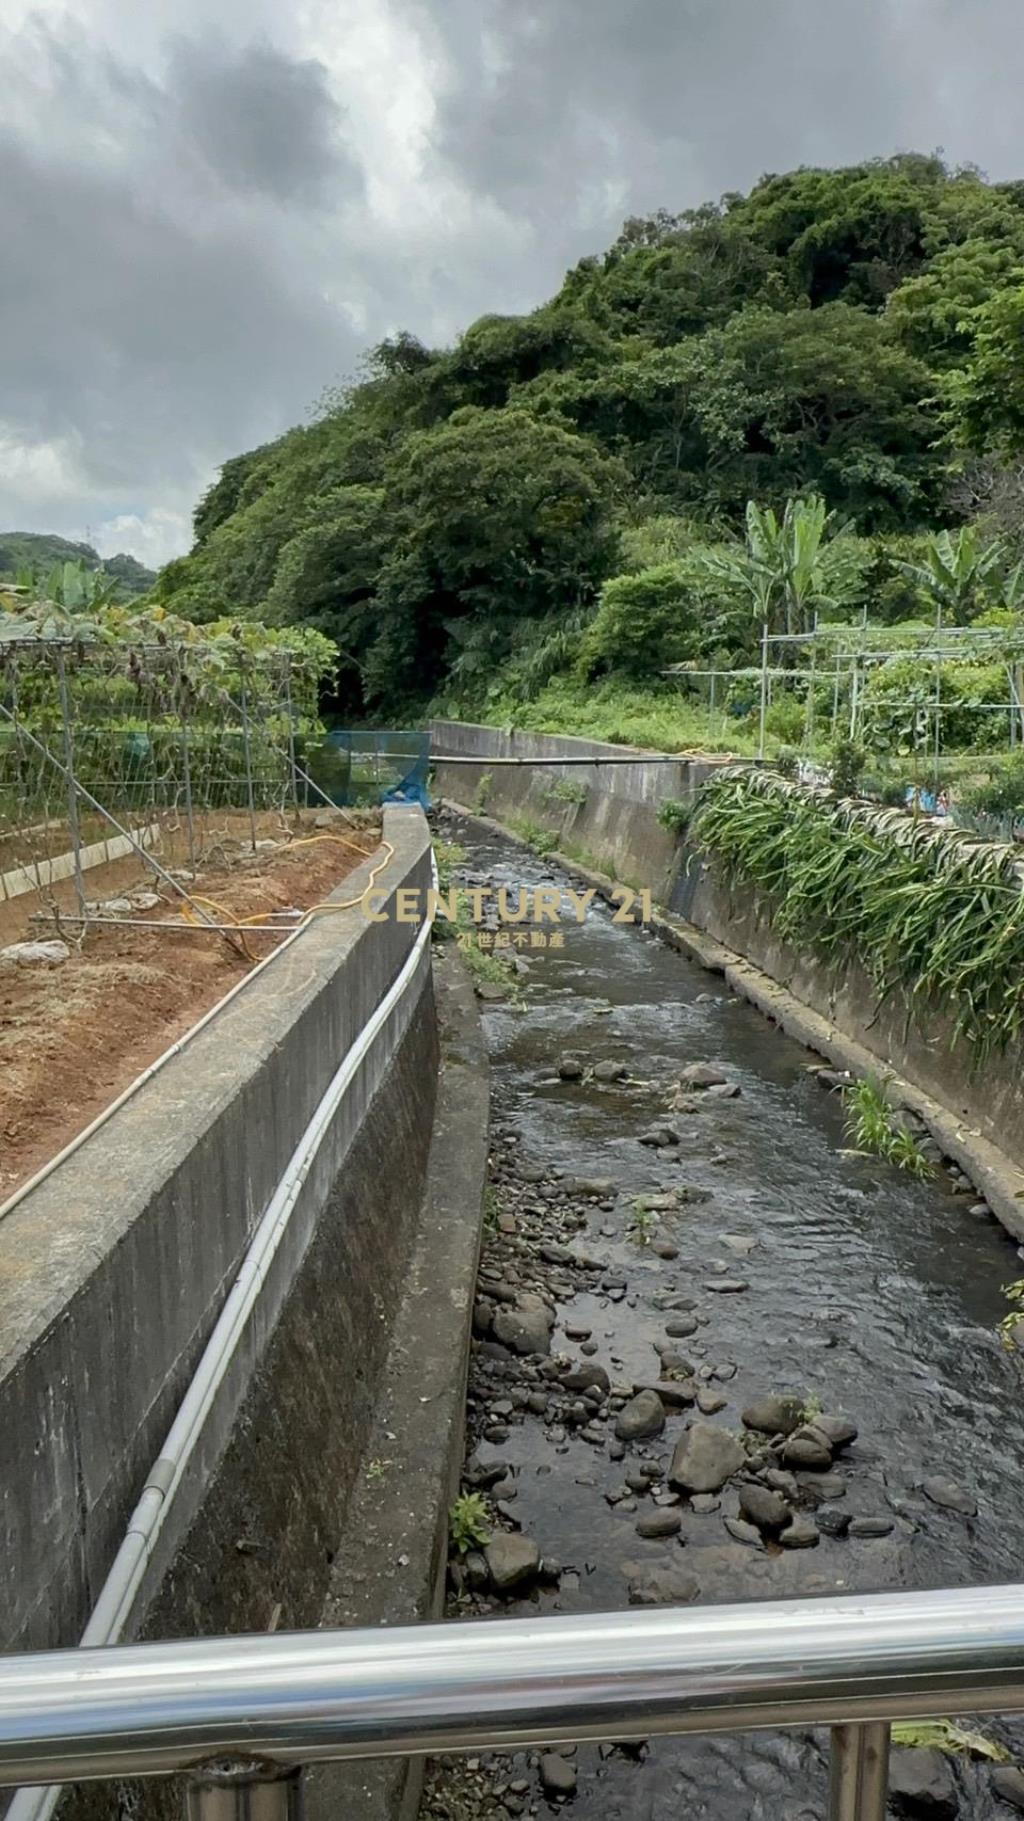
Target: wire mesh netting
(373,765)
(133,745)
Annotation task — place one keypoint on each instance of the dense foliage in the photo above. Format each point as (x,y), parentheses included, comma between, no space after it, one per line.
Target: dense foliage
(847,338)
(928,912)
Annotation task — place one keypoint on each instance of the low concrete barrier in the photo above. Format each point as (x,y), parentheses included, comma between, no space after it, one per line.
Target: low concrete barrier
(114,1269)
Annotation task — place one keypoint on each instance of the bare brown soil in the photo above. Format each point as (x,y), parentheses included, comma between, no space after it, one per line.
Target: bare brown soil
(72,1037)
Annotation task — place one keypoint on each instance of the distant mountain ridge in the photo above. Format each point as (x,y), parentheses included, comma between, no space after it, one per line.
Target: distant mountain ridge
(39,551)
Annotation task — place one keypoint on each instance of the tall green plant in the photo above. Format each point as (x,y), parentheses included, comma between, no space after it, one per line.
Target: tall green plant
(957,570)
(928,912)
(789,568)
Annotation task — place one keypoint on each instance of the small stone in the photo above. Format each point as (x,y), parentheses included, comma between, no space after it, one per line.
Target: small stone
(705,1457)
(38,954)
(570,1068)
(666,1522)
(557,1775)
(744,1532)
(574,1332)
(664,1248)
(585,1378)
(839,1430)
(661,1584)
(921,1783)
(723,1090)
(767,1509)
(681,1327)
(871,1526)
(556,1255)
(807,1450)
(526,1330)
(511,1561)
(832,1520)
(659,1137)
(949,1496)
(642,1417)
(800,1534)
(704,1503)
(609,1071)
(727,1286)
(709,1402)
(774,1415)
(702,1075)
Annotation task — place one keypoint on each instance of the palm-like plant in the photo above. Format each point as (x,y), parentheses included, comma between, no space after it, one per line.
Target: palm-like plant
(789,568)
(956,571)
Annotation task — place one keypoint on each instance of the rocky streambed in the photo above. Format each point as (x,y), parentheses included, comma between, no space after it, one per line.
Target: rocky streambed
(716,1357)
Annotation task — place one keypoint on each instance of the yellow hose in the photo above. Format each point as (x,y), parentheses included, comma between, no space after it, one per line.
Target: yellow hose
(240,924)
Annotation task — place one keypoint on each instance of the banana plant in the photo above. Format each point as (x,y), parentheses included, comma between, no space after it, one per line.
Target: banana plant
(789,568)
(959,570)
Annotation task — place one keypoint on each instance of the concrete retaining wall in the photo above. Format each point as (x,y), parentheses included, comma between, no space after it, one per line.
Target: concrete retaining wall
(617,831)
(615,824)
(114,1270)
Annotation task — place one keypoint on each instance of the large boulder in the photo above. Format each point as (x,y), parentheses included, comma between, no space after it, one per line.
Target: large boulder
(705,1457)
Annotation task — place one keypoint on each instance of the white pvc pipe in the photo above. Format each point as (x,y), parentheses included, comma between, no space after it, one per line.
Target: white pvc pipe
(121,1587)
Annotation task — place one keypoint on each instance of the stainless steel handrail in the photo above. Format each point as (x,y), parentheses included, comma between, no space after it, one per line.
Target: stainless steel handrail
(284,1700)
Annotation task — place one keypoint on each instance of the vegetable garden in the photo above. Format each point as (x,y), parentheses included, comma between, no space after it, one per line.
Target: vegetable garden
(124,731)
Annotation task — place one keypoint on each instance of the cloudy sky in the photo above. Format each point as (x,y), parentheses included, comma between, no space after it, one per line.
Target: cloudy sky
(208,208)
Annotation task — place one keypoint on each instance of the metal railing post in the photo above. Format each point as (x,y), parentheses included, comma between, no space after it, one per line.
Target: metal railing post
(859,1772)
(244,1790)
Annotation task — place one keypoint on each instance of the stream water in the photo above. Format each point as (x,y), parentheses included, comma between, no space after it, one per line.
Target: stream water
(866,1292)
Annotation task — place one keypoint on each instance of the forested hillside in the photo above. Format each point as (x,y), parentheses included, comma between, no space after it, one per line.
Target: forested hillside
(456,518)
(40,552)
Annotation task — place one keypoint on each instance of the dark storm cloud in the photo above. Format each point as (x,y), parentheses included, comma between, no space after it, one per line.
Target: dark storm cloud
(550,107)
(201,225)
(262,120)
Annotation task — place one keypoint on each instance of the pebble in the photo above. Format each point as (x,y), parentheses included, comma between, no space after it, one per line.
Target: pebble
(744,1533)
(727,1286)
(556,1774)
(681,1327)
(870,1526)
(800,1534)
(949,1496)
(664,1522)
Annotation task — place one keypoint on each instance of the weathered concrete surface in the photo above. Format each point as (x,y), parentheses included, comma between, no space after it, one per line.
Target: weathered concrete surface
(391,1562)
(615,826)
(113,1271)
(976,1114)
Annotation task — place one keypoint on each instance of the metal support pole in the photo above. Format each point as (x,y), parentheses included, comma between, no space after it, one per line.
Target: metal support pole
(186,775)
(291,733)
(859,1772)
(69,762)
(244,707)
(244,1791)
(764,689)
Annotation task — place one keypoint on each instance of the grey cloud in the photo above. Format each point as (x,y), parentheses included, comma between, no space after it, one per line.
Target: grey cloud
(264,121)
(190,226)
(670,102)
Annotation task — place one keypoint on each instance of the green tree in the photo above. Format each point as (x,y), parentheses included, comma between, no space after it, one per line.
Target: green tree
(501,518)
(987,395)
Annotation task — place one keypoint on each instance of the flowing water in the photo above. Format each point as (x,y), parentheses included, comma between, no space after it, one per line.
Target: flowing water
(867,1291)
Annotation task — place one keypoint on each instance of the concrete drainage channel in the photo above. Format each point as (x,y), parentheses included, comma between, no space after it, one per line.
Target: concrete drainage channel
(717,1357)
